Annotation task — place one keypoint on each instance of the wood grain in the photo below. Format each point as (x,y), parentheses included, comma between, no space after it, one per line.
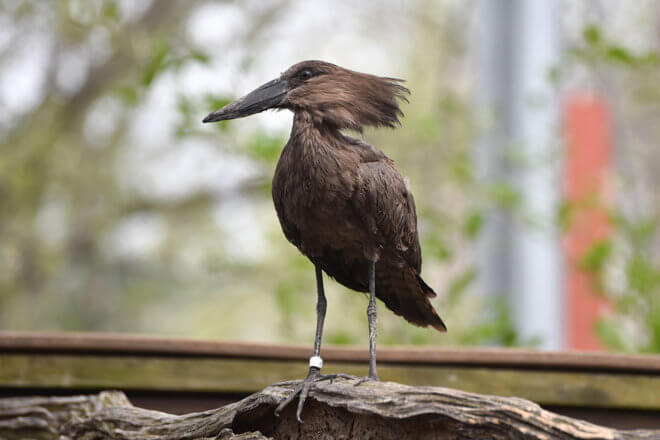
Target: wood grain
(336,410)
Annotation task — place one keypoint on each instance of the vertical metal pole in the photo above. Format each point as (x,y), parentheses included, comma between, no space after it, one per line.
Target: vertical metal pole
(493,94)
(536,291)
(521,258)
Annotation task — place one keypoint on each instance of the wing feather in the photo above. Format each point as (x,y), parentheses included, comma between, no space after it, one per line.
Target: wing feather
(388,209)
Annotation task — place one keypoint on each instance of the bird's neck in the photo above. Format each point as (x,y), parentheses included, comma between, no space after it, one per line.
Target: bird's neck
(310,136)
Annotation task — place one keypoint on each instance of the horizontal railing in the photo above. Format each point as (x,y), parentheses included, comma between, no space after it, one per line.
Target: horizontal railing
(82,361)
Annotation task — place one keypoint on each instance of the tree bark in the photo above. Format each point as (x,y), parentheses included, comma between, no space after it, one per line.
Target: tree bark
(336,409)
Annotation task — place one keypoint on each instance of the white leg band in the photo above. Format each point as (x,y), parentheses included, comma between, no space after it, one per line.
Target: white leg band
(316,361)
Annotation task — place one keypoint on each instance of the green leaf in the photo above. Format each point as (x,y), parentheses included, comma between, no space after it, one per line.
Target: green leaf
(592,35)
(157,63)
(200,56)
(620,55)
(436,245)
(473,224)
(643,231)
(504,195)
(554,75)
(565,214)
(215,102)
(608,332)
(340,338)
(596,256)
(498,330)
(642,276)
(654,323)
(461,168)
(265,147)
(111,11)
(129,94)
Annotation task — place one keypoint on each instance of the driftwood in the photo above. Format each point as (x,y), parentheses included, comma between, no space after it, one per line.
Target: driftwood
(335,410)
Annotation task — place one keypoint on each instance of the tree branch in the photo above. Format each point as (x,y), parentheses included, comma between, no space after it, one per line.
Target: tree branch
(336,409)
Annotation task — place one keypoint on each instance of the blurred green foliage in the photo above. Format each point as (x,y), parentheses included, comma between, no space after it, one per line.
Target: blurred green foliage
(63,202)
(102,229)
(624,267)
(88,242)
(598,48)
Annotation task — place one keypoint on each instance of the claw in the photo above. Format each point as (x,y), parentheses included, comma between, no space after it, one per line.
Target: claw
(366,379)
(302,391)
(301,400)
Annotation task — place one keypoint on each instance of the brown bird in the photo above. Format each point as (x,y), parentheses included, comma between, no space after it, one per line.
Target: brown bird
(341,201)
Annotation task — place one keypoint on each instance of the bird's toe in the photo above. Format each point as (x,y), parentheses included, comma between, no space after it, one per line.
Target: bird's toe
(302,391)
(370,378)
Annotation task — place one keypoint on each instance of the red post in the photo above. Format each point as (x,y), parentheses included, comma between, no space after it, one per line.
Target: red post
(587,165)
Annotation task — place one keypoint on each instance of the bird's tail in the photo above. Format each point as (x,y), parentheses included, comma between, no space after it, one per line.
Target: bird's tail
(405,293)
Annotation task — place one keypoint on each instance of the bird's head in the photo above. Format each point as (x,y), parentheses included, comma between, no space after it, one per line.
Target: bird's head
(331,95)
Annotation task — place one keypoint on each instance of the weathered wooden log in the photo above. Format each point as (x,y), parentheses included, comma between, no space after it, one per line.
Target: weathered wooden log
(336,409)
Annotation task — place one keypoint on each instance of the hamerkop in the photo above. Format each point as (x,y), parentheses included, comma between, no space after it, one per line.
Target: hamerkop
(341,201)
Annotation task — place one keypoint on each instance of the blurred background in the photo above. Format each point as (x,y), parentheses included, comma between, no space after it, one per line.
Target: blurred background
(528,141)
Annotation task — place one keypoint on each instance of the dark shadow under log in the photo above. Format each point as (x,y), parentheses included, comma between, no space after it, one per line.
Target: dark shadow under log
(335,410)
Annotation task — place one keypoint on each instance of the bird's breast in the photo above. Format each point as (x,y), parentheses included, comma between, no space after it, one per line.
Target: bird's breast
(313,200)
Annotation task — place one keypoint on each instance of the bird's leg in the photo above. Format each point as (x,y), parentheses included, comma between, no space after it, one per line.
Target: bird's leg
(321,305)
(372,316)
(315,362)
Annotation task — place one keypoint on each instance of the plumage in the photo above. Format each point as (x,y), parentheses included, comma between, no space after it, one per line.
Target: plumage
(343,204)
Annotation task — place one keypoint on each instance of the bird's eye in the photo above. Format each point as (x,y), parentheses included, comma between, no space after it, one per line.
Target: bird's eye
(306,74)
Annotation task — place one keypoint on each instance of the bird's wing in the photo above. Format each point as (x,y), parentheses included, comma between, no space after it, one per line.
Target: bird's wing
(387,208)
(384,202)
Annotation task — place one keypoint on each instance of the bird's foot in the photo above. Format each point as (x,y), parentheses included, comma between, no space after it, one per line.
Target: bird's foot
(371,377)
(302,390)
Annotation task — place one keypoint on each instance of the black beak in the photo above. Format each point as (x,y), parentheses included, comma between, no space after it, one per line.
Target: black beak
(269,95)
